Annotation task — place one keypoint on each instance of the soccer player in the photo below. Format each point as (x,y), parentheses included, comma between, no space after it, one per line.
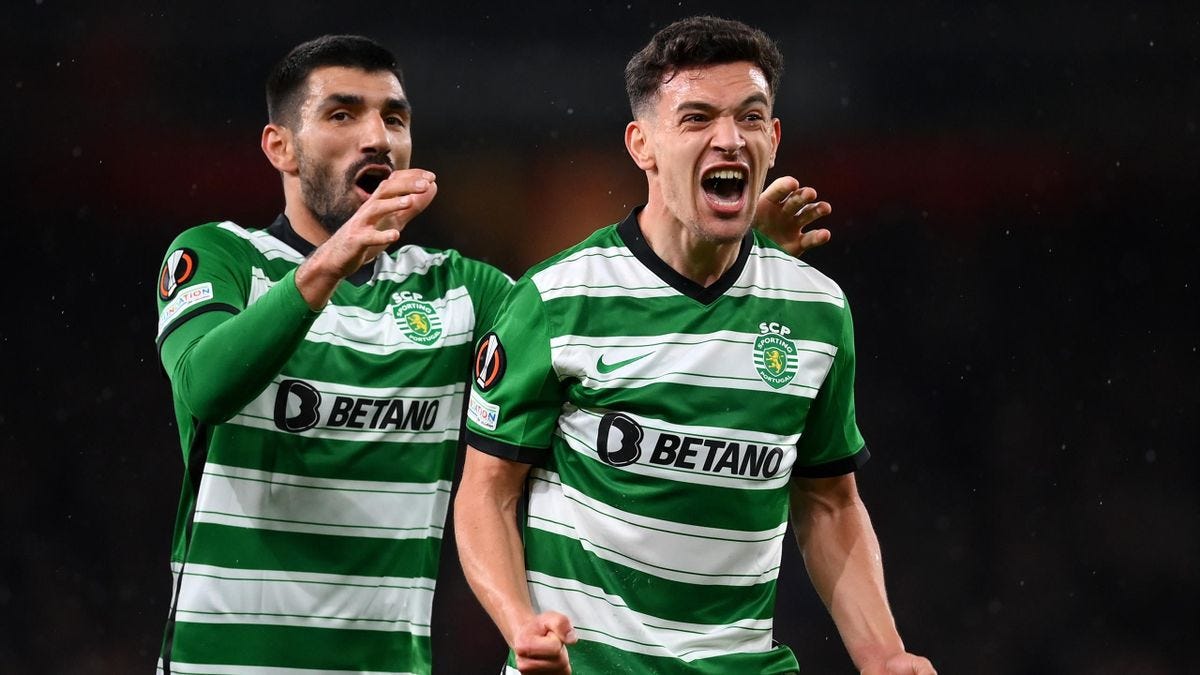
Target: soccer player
(318,370)
(658,397)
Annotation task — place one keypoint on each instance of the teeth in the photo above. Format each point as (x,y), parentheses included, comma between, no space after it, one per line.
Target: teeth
(726,174)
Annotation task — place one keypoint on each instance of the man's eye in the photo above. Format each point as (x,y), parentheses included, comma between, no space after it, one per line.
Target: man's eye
(754,117)
(340,116)
(694,117)
(396,121)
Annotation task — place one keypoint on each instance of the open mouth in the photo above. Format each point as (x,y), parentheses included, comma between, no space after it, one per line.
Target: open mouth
(370,178)
(724,186)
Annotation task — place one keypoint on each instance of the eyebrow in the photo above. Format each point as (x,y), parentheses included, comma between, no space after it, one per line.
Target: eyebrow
(393,104)
(757,97)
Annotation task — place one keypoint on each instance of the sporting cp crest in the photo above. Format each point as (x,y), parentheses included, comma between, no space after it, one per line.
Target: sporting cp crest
(418,320)
(775,359)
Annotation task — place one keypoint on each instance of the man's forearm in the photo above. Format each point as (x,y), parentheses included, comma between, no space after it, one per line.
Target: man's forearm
(843,559)
(489,544)
(219,362)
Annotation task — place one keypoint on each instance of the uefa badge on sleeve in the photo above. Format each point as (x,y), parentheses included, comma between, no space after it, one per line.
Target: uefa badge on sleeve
(178,269)
(490,362)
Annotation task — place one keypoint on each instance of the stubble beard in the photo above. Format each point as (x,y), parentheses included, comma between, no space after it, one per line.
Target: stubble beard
(329,197)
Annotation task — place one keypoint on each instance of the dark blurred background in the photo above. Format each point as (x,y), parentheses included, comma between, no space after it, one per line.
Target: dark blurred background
(1015,221)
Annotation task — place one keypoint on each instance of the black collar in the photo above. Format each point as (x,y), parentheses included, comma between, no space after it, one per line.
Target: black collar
(282,230)
(631,233)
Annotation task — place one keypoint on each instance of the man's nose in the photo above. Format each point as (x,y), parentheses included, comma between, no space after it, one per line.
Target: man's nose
(374,138)
(727,136)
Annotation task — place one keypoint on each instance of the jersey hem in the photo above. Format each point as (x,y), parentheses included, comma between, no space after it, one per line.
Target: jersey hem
(218,307)
(516,453)
(838,467)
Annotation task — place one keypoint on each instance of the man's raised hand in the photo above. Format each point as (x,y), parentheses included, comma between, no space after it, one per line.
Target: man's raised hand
(785,209)
(375,226)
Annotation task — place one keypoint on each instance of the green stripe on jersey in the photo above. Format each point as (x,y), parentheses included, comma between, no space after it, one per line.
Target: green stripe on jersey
(297,647)
(743,509)
(557,556)
(227,546)
(325,458)
(671,423)
(778,661)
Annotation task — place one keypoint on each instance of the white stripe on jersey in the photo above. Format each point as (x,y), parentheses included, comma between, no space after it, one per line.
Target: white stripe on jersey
(405,262)
(379,333)
(681,552)
(378,414)
(212,594)
(614,271)
(780,276)
(269,246)
(178,668)
(580,430)
(242,497)
(600,272)
(722,360)
(604,618)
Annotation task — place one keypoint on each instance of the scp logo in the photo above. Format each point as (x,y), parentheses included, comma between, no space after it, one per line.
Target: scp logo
(619,439)
(297,406)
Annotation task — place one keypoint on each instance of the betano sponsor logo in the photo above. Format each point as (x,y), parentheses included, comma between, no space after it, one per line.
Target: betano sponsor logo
(299,407)
(619,443)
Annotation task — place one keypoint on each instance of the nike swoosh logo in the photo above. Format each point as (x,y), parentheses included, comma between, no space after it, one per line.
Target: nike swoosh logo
(606,368)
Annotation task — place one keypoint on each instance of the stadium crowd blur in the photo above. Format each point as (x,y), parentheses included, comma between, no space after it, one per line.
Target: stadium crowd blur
(1014,221)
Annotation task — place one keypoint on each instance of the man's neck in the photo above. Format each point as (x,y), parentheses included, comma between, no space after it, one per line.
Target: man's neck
(699,260)
(303,221)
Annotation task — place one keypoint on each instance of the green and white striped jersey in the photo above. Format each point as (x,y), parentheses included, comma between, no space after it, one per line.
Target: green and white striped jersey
(311,521)
(665,420)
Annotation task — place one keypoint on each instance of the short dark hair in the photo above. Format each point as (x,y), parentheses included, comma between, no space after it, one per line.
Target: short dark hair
(286,83)
(698,41)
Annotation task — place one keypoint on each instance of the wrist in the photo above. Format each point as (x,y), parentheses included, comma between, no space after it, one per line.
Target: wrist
(316,281)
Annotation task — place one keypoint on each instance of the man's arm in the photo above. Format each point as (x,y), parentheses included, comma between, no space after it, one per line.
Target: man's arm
(785,209)
(842,555)
(493,560)
(219,361)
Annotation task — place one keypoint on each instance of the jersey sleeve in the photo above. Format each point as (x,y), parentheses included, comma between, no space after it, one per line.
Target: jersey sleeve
(488,287)
(203,271)
(832,444)
(218,351)
(515,393)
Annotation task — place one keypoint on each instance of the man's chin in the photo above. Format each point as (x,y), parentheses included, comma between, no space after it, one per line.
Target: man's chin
(725,230)
(332,222)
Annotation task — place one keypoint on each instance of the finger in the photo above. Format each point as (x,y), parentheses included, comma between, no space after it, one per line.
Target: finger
(560,626)
(798,199)
(779,189)
(405,182)
(379,238)
(811,240)
(812,212)
(556,666)
(539,647)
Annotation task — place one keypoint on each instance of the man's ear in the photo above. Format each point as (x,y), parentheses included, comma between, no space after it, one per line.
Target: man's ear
(777,134)
(639,145)
(279,146)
